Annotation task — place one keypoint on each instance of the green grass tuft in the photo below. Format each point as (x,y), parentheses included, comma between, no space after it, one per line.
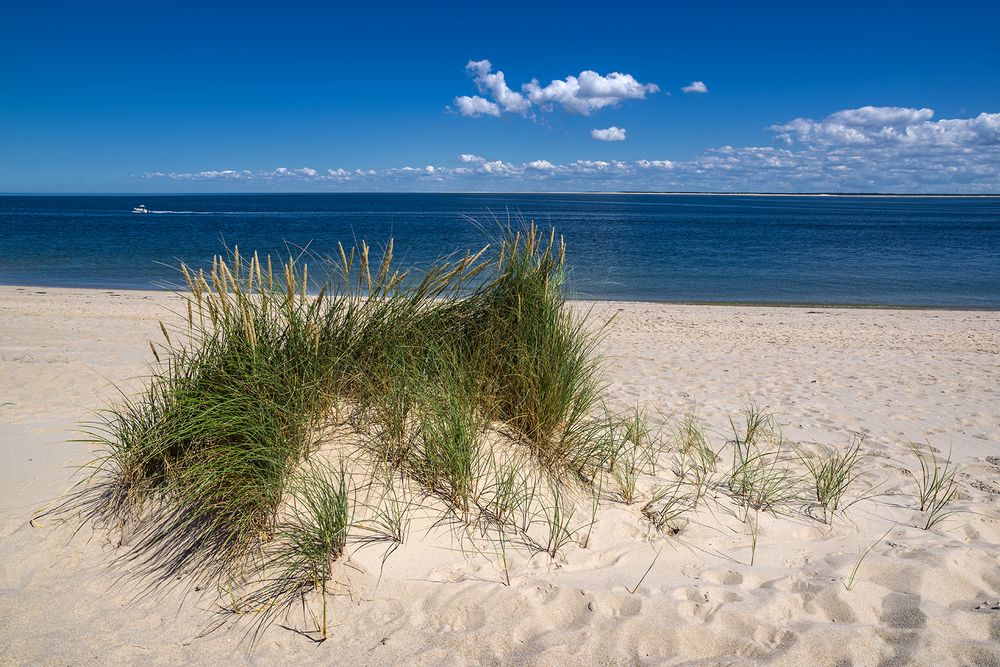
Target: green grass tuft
(936,487)
(832,474)
(760,479)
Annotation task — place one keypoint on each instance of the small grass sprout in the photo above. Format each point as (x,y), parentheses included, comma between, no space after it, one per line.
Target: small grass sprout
(558,518)
(849,585)
(936,487)
(667,507)
(759,479)
(696,461)
(832,474)
(388,516)
(508,496)
(632,451)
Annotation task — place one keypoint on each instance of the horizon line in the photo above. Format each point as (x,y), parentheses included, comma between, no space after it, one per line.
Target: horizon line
(505,192)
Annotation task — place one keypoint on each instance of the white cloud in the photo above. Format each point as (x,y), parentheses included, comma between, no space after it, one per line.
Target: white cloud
(872,149)
(497,167)
(588,92)
(695,87)
(476,106)
(590,166)
(876,117)
(227,174)
(307,172)
(495,85)
(583,94)
(655,164)
(899,126)
(610,134)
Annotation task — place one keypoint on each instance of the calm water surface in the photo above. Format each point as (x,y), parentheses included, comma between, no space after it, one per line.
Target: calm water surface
(774,249)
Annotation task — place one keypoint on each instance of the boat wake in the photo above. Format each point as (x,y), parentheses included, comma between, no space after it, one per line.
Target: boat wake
(199,212)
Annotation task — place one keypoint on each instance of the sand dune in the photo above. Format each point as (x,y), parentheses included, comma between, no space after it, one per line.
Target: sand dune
(632,595)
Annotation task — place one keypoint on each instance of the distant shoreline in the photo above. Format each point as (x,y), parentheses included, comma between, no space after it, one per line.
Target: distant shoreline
(748,194)
(872,195)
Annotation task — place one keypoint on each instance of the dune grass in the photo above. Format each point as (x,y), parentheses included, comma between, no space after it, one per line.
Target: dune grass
(849,584)
(695,461)
(508,497)
(558,522)
(832,473)
(308,541)
(760,479)
(633,450)
(198,465)
(936,487)
(474,380)
(667,506)
(389,514)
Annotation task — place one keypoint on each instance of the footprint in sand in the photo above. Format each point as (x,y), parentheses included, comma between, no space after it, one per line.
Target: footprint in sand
(834,607)
(691,571)
(903,620)
(901,611)
(727,578)
(618,606)
(458,617)
(695,603)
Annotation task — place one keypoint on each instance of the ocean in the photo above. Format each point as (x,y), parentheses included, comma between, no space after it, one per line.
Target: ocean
(864,251)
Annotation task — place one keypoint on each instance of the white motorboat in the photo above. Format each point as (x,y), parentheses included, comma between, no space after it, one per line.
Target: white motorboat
(141,208)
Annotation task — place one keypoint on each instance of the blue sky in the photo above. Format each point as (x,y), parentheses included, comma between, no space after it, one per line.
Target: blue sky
(181,97)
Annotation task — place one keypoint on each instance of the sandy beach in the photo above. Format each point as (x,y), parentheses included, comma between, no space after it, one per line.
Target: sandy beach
(632,596)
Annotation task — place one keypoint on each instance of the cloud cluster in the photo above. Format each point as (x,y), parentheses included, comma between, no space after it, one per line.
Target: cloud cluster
(475,105)
(588,92)
(582,94)
(493,84)
(891,126)
(871,149)
(610,134)
(279,174)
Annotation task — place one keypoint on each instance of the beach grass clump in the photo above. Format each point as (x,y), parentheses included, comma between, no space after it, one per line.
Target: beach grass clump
(198,465)
(450,435)
(533,356)
(832,473)
(510,492)
(389,514)
(695,460)
(475,381)
(632,450)
(760,479)
(693,446)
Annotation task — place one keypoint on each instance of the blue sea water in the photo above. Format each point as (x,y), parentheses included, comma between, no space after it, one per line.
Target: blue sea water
(901,251)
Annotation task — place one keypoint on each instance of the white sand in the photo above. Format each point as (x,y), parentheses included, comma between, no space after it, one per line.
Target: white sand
(920,597)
